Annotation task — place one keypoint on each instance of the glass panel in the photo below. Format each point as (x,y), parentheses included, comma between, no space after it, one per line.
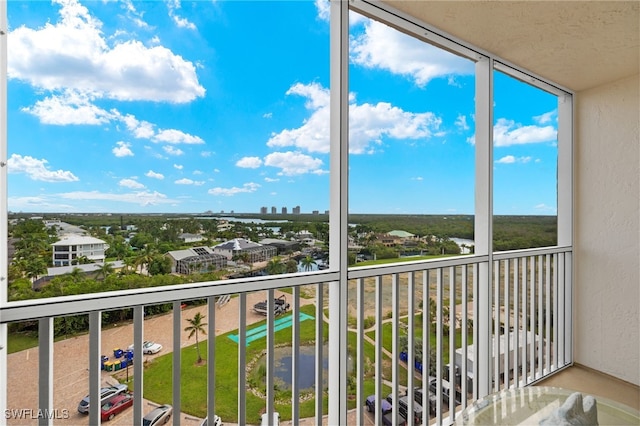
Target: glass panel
(158,127)
(412,156)
(525,154)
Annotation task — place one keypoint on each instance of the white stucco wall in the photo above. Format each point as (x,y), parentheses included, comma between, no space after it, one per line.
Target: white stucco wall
(607,229)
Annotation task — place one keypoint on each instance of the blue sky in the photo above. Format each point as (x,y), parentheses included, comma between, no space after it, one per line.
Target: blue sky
(169,106)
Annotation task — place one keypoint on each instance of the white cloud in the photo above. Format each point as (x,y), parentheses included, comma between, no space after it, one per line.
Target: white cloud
(547,117)
(176,136)
(140,129)
(507,133)
(126,70)
(293,163)
(174,5)
(228,192)
(383,47)
(154,175)
(369,124)
(267,115)
(197,172)
(510,159)
(146,130)
(185,181)
(249,162)
(545,209)
(131,183)
(71,107)
(178,166)
(37,169)
(268,179)
(461,122)
(37,203)
(418,178)
(324,9)
(123,149)
(206,154)
(143,198)
(172,151)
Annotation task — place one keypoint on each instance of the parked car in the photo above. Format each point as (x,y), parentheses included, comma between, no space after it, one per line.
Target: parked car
(403,406)
(446,391)
(217,421)
(385,405)
(417,397)
(387,419)
(158,416)
(148,347)
(116,405)
(105,394)
(265,419)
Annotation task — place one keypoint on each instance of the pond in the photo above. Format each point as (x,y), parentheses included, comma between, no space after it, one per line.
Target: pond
(306,368)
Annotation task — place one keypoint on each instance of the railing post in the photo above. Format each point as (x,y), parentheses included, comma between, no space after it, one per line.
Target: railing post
(177,360)
(45,367)
(95,344)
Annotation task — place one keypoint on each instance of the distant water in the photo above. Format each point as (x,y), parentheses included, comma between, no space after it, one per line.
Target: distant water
(460,241)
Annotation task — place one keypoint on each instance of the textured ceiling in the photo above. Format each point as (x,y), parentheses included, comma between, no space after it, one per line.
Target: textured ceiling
(577,44)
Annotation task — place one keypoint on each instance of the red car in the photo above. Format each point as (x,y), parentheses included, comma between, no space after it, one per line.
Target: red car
(116,405)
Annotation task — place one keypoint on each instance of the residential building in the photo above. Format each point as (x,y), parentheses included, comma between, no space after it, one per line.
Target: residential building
(190,238)
(238,246)
(274,210)
(296,210)
(284,210)
(263,210)
(71,247)
(587,53)
(196,260)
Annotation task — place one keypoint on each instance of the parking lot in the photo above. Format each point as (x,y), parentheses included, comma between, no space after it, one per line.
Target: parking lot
(70,366)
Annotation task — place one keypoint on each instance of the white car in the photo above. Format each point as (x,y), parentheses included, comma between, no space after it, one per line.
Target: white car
(275,419)
(148,347)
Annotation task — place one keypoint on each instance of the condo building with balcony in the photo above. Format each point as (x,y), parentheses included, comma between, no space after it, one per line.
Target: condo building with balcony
(71,247)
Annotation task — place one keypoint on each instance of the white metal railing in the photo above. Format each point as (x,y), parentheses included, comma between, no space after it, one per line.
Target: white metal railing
(530,337)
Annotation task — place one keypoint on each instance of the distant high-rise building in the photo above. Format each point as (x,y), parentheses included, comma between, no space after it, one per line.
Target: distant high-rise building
(284,210)
(316,212)
(263,210)
(296,210)
(326,212)
(273,210)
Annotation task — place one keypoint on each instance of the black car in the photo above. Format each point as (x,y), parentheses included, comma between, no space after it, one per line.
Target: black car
(403,405)
(417,397)
(446,391)
(387,419)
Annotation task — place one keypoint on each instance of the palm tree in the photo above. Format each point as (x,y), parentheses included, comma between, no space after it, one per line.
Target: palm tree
(307,263)
(104,270)
(196,326)
(275,266)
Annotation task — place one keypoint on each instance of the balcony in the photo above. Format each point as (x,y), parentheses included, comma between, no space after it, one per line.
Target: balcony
(551,302)
(529,301)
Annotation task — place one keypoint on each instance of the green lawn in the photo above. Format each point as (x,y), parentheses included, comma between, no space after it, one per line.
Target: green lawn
(158,376)
(17,342)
